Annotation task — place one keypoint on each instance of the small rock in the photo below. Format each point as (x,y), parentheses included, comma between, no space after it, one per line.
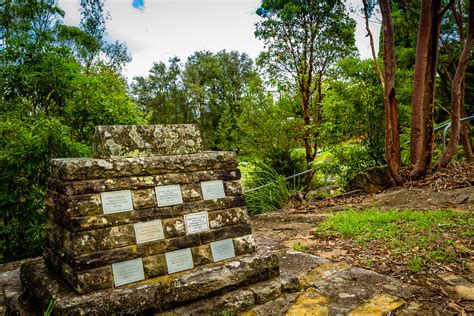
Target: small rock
(346,295)
(372,180)
(465,291)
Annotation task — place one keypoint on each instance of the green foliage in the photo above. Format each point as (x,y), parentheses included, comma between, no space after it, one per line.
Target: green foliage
(274,191)
(99,98)
(270,128)
(303,40)
(50,308)
(26,146)
(51,98)
(353,108)
(209,89)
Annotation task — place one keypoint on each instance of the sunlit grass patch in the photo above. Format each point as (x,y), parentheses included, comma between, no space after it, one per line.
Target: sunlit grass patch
(299,247)
(418,238)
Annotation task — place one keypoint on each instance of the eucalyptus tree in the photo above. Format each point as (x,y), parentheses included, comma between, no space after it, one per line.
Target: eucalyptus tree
(302,40)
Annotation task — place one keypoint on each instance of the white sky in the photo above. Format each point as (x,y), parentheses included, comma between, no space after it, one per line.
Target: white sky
(167,28)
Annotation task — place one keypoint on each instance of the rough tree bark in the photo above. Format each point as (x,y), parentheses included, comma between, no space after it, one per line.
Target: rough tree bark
(426,141)
(392,139)
(421,61)
(456,90)
(422,135)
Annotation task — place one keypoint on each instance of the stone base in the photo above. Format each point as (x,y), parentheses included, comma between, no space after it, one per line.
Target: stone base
(153,295)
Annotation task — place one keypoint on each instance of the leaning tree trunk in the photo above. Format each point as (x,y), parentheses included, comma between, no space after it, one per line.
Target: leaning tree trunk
(456,90)
(392,140)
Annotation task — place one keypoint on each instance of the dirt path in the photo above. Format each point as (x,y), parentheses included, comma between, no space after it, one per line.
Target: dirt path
(452,289)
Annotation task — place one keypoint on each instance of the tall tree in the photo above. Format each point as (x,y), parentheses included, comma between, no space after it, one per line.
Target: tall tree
(303,39)
(392,132)
(422,132)
(457,89)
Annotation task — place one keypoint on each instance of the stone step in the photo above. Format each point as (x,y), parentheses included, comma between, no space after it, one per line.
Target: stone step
(158,294)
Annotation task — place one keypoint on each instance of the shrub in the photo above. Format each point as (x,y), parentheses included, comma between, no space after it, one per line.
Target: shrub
(26,147)
(271,190)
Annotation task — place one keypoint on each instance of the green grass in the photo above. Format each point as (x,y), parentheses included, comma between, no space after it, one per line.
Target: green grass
(321,158)
(420,238)
(299,247)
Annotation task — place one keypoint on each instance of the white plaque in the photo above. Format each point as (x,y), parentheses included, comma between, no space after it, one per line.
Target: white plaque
(148,231)
(128,271)
(116,201)
(212,190)
(222,249)
(168,195)
(196,222)
(179,260)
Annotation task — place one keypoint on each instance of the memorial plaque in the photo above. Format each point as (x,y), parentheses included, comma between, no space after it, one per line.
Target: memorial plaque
(116,201)
(212,190)
(128,271)
(222,249)
(169,195)
(179,260)
(148,231)
(196,222)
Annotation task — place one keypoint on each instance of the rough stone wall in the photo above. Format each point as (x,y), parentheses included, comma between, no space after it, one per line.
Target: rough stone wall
(83,241)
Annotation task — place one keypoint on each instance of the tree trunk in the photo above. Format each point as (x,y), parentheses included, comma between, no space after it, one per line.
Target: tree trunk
(392,140)
(426,142)
(419,81)
(307,142)
(466,136)
(456,90)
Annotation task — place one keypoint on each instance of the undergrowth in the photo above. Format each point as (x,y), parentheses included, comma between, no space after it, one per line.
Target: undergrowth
(268,191)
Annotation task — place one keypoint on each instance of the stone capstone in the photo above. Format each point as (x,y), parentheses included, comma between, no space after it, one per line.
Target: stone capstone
(146,140)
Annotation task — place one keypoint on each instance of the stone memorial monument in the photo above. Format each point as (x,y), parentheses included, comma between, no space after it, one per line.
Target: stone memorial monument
(149,224)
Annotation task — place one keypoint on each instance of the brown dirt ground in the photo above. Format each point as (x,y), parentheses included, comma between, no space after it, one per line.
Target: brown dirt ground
(452,189)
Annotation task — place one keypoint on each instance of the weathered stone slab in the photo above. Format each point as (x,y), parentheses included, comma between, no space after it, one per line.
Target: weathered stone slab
(228,217)
(152,295)
(80,205)
(216,279)
(142,182)
(101,220)
(91,168)
(91,204)
(146,140)
(243,244)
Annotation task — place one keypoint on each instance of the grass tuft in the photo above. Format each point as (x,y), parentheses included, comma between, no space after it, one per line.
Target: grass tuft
(274,193)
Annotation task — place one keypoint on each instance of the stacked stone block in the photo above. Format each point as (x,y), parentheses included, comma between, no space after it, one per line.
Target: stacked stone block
(85,241)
